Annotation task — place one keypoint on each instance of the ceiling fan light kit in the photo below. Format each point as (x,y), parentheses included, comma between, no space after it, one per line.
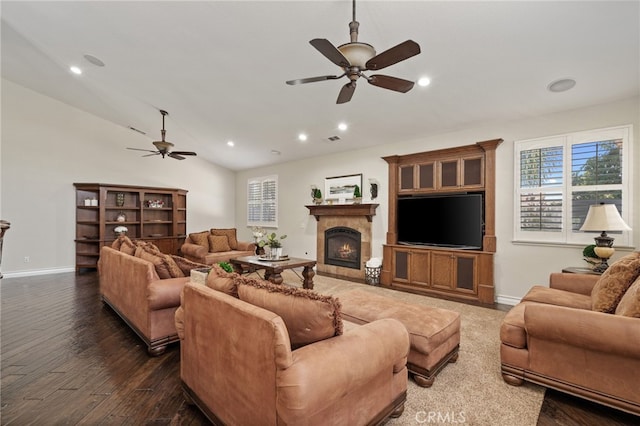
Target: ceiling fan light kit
(355,57)
(163,147)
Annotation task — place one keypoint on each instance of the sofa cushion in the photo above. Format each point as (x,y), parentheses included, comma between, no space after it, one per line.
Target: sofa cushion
(186,265)
(221,280)
(614,282)
(200,238)
(629,305)
(230,233)
(218,243)
(309,316)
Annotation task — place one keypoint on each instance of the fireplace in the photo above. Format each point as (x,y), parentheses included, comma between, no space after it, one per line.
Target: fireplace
(348,263)
(342,247)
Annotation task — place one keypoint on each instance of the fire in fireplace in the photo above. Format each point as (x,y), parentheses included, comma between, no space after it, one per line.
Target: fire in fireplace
(342,247)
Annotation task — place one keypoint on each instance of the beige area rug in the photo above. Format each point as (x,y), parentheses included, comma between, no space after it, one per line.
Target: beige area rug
(470,391)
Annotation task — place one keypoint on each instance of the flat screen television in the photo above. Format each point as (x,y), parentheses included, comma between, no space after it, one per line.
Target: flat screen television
(454,221)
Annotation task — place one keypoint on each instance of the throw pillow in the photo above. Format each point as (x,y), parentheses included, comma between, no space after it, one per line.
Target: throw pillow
(218,243)
(221,280)
(200,238)
(614,282)
(629,305)
(169,263)
(158,262)
(309,316)
(127,246)
(186,265)
(117,243)
(230,234)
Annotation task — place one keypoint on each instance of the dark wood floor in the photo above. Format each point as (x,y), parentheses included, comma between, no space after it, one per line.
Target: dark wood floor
(68,359)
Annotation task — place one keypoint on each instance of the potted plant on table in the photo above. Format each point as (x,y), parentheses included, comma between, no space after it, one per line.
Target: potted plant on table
(357,195)
(274,243)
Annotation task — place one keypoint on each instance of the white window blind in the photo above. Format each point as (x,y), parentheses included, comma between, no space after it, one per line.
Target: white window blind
(262,201)
(558,178)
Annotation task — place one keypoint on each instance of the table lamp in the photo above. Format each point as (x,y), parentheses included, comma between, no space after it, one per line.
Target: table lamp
(603,217)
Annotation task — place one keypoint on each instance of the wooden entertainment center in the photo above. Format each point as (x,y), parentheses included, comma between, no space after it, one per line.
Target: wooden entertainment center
(429,270)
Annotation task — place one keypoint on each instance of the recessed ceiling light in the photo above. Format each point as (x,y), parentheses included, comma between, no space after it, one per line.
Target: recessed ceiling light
(75,70)
(275,152)
(424,81)
(230,143)
(95,61)
(343,126)
(302,137)
(561,85)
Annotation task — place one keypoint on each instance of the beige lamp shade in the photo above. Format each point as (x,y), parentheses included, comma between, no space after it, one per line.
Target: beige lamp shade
(604,217)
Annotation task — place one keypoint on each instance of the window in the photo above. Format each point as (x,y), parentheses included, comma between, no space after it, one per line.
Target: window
(558,178)
(262,201)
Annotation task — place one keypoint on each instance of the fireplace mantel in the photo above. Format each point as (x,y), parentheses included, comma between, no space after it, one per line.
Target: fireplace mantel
(367,210)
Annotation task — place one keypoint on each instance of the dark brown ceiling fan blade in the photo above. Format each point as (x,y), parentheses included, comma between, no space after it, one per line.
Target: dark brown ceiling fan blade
(394,55)
(314,79)
(391,83)
(331,52)
(183,153)
(346,93)
(176,156)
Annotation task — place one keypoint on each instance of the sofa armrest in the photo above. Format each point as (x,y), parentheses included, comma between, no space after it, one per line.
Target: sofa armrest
(575,283)
(322,372)
(246,246)
(593,331)
(194,251)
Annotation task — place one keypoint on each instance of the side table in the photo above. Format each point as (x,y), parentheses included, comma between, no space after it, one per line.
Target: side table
(580,270)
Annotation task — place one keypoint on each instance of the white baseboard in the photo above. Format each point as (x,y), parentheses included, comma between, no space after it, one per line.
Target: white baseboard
(34,272)
(508,300)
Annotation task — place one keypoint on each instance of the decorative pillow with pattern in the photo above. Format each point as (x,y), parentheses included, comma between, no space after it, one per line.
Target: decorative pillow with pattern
(187,265)
(218,243)
(230,234)
(200,238)
(614,282)
(629,305)
(221,280)
(309,316)
(158,262)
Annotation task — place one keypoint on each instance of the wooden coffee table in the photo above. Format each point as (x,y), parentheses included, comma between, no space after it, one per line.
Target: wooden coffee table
(273,268)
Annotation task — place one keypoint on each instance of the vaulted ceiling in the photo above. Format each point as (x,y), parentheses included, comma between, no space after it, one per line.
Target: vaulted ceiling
(219,67)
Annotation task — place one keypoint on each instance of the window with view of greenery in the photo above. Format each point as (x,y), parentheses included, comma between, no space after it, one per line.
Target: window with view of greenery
(559,177)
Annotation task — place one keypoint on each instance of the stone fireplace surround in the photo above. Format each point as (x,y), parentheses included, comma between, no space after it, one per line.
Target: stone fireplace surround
(355,216)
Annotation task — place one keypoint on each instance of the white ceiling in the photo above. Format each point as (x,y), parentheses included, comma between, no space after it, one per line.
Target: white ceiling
(219,67)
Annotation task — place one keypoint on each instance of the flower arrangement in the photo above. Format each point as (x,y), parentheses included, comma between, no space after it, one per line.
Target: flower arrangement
(226,266)
(258,233)
(272,241)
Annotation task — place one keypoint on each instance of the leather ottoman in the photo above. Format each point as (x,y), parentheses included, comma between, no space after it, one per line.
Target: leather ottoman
(434,333)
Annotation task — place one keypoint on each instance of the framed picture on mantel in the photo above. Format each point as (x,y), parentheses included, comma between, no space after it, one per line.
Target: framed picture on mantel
(339,189)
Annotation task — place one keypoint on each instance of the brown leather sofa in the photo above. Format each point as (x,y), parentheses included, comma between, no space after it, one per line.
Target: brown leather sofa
(580,335)
(215,245)
(244,364)
(132,287)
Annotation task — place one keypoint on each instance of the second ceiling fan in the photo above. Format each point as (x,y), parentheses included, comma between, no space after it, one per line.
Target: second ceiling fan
(356,57)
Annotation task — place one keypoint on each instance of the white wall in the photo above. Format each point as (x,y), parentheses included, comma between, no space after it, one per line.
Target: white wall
(517,267)
(48,145)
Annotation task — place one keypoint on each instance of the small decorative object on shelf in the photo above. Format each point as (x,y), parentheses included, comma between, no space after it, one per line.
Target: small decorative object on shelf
(120,199)
(121,217)
(316,195)
(155,204)
(120,230)
(87,202)
(357,195)
(94,202)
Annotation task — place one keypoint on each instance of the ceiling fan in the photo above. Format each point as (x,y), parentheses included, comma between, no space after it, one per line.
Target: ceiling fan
(356,57)
(163,146)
